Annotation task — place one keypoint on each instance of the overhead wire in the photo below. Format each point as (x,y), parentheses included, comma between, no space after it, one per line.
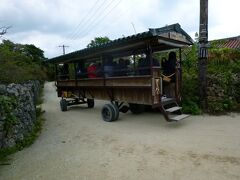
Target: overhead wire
(96,21)
(100,19)
(107,34)
(90,18)
(83,19)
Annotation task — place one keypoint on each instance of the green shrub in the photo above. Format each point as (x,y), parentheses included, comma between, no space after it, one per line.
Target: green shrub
(12,73)
(215,107)
(227,85)
(191,107)
(223,71)
(20,63)
(190,97)
(7,105)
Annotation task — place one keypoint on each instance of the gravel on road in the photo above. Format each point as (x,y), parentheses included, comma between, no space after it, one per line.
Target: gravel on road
(78,144)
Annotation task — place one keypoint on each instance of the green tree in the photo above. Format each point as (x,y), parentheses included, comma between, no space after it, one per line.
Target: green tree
(98,41)
(36,54)
(21,62)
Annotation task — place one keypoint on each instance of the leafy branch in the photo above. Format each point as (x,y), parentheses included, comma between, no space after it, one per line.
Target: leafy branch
(3,30)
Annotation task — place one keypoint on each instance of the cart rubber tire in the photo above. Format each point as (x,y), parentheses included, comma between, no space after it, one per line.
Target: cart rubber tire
(90,103)
(116,111)
(108,113)
(136,108)
(63,104)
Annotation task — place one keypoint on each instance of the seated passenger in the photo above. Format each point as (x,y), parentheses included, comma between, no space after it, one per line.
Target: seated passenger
(169,69)
(145,65)
(155,62)
(81,70)
(122,68)
(109,67)
(169,66)
(99,71)
(128,69)
(64,72)
(163,61)
(92,70)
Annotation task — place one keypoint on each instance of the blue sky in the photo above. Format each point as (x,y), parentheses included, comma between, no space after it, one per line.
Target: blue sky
(48,24)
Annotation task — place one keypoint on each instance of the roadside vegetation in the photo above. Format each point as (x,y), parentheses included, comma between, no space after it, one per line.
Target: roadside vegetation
(20,63)
(223,94)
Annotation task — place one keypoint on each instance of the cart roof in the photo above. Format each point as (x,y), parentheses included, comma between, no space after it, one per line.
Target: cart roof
(165,38)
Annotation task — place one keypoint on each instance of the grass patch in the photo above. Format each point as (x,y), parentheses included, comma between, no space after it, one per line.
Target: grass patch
(40,98)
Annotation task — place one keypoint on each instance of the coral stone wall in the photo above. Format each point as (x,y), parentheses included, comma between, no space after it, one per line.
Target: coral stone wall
(24,112)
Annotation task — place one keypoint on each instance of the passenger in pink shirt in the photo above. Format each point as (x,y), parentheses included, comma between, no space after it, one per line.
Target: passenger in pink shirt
(92,70)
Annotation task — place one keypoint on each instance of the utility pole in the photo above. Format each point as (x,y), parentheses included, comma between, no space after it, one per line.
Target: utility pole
(203,52)
(63,47)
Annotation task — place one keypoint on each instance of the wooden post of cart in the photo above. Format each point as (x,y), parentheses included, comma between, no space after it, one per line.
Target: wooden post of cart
(203,52)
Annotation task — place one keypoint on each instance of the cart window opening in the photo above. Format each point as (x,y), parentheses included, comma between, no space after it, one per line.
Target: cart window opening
(63,71)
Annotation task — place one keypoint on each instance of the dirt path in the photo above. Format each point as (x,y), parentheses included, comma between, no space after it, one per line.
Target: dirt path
(77,144)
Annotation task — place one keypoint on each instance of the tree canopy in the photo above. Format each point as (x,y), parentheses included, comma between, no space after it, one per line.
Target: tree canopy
(21,62)
(98,41)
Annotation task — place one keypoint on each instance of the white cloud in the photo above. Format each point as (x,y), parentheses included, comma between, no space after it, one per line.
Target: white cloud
(48,24)
(224,18)
(49,43)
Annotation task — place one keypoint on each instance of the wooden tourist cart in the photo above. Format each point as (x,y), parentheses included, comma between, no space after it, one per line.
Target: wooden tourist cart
(136,84)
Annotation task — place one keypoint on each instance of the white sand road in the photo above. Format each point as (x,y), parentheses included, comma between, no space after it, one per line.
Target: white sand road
(78,144)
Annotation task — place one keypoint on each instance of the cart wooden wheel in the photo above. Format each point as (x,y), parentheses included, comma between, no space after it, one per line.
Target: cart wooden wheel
(108,113)
(136,108)
(63,104)
(90,103)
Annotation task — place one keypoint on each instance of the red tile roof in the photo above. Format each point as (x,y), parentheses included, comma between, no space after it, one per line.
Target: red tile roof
(232,43)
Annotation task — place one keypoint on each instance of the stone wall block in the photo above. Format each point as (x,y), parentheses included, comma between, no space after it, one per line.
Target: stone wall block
(25,112)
